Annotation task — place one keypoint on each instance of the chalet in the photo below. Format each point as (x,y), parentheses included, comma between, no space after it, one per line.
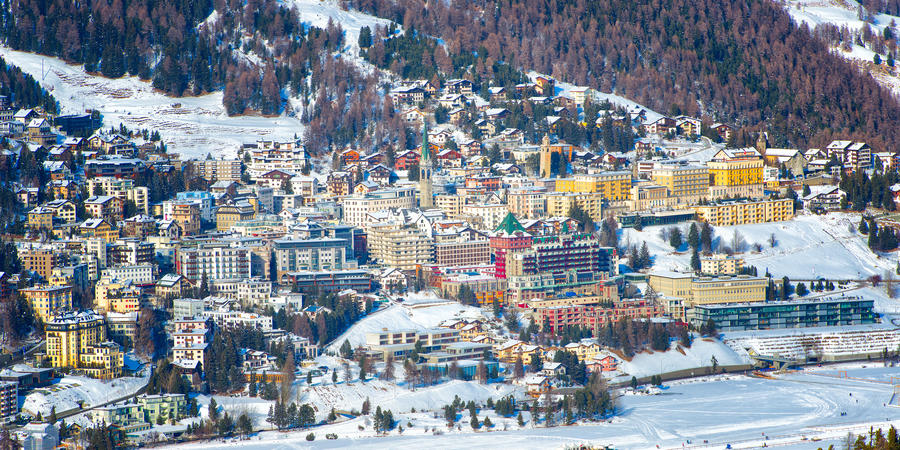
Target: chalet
(537,385)
(580,94)
(469,147)
(457,115)
(371,159)
(497,93)
(724,131)
(406,159)
(106,207)
(439,137)
(38,131)
(25,115)
(496,113)
(99,228)
(552,369)
(661,125)
(606,364)
(451,101)
(12,128)
(349,156)
(553,122)
(112,144)
(407,94)
(545,85)
(829,198)
(380,174)
(392,278)
(539,100)
(414,116)
(58,170)
(274,179)
(27,195)
(458,86)
(225,187)
(448,154)
(888,161)
(365,187)
(486,127)
(688,125)
(60,153)
(64,189)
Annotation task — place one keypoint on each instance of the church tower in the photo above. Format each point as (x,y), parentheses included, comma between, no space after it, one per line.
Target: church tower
(546,157)
(426,201)
(762,142)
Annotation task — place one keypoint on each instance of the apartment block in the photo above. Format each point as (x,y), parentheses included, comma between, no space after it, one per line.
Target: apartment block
(727,213)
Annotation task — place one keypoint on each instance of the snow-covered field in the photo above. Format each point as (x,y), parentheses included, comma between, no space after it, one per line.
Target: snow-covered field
(795,409)
(71,391)
(809,246)
(197,127)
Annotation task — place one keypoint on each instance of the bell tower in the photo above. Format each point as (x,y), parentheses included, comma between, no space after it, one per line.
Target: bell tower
(426,200)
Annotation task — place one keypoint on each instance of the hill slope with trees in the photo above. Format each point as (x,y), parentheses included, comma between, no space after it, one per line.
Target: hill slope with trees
(742,62)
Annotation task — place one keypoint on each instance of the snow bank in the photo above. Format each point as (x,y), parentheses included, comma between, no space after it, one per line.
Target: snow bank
(699,356)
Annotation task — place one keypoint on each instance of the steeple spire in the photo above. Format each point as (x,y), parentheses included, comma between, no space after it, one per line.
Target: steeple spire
(425,169)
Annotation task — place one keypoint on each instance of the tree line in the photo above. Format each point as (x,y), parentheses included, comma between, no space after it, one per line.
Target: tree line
(741,62)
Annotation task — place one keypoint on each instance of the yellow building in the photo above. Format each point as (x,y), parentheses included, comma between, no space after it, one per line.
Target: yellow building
(719,264)
(558,204)
(99,228)
(450,204)
(47,301)
(40,217)
(612,186)
(736,173)
(116,296)
(691,290)
(686,184)
(646,196)
(729,213)
(78,340)
(227,215)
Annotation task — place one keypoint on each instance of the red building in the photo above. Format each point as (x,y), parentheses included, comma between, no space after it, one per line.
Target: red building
(510,235)
(405,160)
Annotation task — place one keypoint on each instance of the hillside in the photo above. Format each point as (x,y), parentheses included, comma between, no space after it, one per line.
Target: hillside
(743,62)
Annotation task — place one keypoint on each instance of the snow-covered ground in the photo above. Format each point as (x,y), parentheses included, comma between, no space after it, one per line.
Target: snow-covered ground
(71,392)
(809,246)
(317,13)
(698,356)
(414,316)
(794,409)
(197,127)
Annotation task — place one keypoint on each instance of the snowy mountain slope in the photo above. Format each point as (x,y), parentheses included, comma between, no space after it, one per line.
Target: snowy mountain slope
(318,12)
(844,13)
(197,127)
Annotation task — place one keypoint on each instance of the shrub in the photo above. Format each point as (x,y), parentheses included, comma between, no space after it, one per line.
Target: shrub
(311,437)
